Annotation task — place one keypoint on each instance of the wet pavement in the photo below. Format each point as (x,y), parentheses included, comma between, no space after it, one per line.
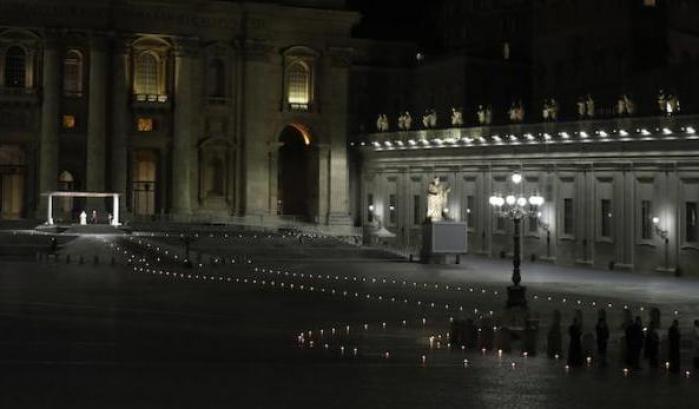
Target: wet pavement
(149,332)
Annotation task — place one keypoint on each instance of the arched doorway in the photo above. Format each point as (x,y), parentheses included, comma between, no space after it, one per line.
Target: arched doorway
(297,174)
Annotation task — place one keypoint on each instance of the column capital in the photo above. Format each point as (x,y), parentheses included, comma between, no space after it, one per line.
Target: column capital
(51,38)
(255,50)
(99,41)
(187,47)
(340,57)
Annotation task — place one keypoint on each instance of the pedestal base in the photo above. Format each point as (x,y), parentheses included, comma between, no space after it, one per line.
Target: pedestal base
(516,296)
(443,239)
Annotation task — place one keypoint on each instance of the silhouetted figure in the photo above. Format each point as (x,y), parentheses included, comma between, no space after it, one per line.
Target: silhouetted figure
(54,245)
(627,321)
(487,339)
(602,333)
(634,343)
(673,335)
(471,334)
(652,346)
(575,355)
(695,342)
(554,341)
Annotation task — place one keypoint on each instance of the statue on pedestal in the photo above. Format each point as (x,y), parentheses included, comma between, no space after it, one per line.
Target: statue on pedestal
(673,105)
(553,109)
(405,121)
(437,198)
(581,108)
(480,114)
(382,123)
(662,101)
(426,119)
(630,105)
(457,118)
(516,111)
(590,105)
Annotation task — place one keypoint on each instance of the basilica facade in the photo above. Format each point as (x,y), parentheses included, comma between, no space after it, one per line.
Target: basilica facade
(191,111)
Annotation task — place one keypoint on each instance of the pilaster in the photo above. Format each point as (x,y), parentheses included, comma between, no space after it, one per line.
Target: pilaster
(48,149)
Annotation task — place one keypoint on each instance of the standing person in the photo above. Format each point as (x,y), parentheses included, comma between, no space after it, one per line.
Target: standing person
(635,343)
(673,335)
(696,344)
(602,332)
(652,345)
(575,357)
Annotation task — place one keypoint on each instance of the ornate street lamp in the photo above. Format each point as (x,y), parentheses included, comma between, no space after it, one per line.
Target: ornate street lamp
(516,207)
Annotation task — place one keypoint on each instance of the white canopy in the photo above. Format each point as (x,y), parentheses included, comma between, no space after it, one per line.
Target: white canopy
(114,196)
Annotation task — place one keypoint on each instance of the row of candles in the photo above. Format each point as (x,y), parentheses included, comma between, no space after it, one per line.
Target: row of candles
(301,338)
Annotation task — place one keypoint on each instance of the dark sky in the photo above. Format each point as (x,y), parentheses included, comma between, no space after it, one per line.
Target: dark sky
(388,20)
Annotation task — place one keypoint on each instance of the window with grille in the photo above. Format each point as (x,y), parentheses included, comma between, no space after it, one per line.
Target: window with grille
(72,74)
(392,211)
(146,81)
(606,218)
(646,220)
(470,209)
(690,222)
(216,79)
(299,86)
(15,67)
(568,216)
(417,209)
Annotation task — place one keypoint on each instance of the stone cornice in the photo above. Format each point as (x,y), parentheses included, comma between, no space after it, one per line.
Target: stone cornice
(340,56)
(255,50)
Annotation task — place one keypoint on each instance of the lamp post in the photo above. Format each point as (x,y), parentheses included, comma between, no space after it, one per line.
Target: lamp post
(515,207)
(663,233)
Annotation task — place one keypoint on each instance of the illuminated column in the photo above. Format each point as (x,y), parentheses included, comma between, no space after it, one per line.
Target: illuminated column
(120,119)
(182,146)
(324,184)
(335,99)
(260,62)
(115,210)
(48,150)
(97,119)
(49,211)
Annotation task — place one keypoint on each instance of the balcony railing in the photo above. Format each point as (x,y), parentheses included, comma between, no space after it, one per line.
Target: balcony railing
(20,95)
(151,98)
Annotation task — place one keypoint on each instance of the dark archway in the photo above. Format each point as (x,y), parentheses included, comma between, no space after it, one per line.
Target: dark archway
(297,174)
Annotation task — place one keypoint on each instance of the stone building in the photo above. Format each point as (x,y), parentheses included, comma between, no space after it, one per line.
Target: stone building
(604,182)
(191,110)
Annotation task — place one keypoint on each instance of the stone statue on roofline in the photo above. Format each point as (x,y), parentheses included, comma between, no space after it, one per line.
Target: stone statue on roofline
(457,118)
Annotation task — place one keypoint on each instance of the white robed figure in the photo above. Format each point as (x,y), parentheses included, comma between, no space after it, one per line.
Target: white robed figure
(437,197)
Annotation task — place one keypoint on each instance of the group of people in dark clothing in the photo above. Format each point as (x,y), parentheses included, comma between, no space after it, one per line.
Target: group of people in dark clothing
(637,341)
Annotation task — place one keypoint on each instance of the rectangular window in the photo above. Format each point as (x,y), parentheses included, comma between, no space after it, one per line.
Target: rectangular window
(370,207)
(68,121)
(606,215)
(533,219)
(646,220)
(417,211)
(568,216)
(500,223)
(470,209)
(392,212)
(144,124)
(691,222)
